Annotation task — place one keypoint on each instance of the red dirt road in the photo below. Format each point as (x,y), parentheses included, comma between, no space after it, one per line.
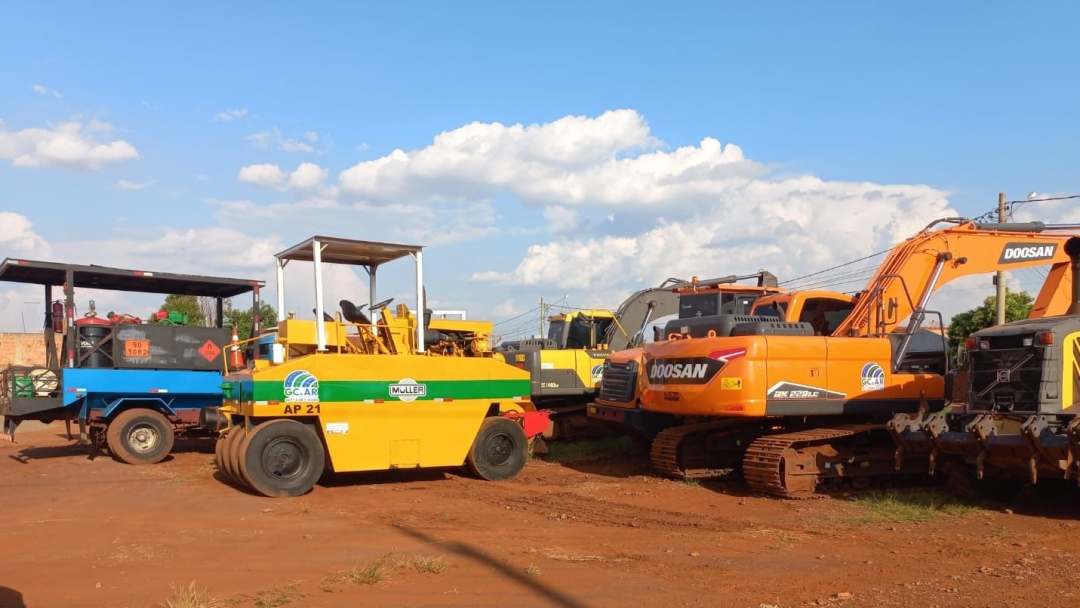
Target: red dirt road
(86,533)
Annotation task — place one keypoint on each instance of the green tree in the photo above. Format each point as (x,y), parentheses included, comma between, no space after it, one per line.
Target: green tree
(240,318)
(1017,307)
(186,305)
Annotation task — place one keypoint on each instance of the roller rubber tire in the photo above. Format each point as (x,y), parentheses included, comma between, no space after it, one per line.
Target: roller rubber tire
(140,436)
(283,458)
(499,451)
(219,451)
(220,441)
(235,454)
(226,445)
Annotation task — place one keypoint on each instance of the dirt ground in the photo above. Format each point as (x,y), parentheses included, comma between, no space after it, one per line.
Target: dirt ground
(588,531)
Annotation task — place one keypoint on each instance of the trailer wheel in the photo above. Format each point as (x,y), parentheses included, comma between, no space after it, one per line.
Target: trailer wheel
(282,458)
(140,436)
(499,450)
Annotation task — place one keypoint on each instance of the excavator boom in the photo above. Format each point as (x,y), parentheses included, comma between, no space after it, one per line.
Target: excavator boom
(922,264)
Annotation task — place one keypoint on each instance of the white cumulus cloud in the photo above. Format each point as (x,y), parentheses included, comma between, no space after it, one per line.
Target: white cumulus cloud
(130,185)
(69,144)
(263,176)
(307,175)
(43,90)
(554,163)
(273,139)
(17,236)
(230,115)
(699,209)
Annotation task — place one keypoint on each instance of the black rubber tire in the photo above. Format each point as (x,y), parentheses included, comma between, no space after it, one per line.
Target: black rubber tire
(234,455)
(140,436)
(282,458)
(218,444)
(499,451)
(221,452)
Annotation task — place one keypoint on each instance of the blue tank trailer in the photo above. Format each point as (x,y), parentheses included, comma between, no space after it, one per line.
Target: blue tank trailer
(132,386)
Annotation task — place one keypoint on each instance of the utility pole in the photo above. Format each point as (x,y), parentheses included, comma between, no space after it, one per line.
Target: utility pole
(1000,279)
(542,334)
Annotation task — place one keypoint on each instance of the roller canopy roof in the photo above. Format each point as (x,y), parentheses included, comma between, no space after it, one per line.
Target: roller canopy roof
(347,251)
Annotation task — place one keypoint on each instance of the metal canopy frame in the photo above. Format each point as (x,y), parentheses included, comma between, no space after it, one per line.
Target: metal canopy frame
(72,276)
(367,254)
(118,279)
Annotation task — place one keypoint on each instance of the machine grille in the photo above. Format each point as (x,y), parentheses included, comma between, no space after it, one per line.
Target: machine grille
(1007,379)
(618,382)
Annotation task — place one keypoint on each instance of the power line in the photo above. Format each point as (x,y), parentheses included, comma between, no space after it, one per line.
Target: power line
(814,274)
(1014,204)
(1037,200)
(528,312)
(863,273)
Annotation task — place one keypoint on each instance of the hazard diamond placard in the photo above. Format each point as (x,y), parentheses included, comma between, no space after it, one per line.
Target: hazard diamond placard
(210,351)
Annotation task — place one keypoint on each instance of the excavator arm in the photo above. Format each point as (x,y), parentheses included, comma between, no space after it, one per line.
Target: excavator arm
(920,265)
(635,312)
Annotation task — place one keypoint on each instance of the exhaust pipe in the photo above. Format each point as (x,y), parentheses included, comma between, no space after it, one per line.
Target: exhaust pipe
(1013,226)
(1072,248)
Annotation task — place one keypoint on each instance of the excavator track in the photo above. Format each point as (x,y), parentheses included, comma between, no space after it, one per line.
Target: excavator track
(793,465)
(674,452)
(763,464)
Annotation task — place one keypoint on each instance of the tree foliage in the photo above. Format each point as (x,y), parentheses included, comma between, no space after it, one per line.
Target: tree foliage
(240,318)
(186,305)
(201,313)
(1017,306)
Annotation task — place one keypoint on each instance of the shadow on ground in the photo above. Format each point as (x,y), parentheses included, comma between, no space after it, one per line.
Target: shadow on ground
(530,583)
(10,598)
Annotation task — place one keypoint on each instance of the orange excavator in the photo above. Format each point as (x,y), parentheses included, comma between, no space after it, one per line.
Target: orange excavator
(799,399)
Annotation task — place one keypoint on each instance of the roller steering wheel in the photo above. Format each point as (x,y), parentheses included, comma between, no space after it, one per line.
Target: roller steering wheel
(381,305)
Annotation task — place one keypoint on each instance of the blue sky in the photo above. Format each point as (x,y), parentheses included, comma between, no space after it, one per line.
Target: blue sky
(947,103)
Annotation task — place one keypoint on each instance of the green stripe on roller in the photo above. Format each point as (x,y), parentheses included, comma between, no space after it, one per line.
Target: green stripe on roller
(350,390)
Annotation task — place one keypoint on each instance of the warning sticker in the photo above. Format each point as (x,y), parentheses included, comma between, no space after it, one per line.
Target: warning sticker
(337,428)
(209,350)
(136,349)
(731,384)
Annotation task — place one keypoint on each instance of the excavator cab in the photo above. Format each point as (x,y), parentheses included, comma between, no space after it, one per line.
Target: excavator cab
(823,310)
(580,329)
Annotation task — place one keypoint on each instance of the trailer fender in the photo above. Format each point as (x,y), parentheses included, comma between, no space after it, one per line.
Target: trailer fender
(126,403)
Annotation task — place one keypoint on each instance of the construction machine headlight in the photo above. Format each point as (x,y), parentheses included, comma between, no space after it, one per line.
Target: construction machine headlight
(984,345)
(1028,341)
